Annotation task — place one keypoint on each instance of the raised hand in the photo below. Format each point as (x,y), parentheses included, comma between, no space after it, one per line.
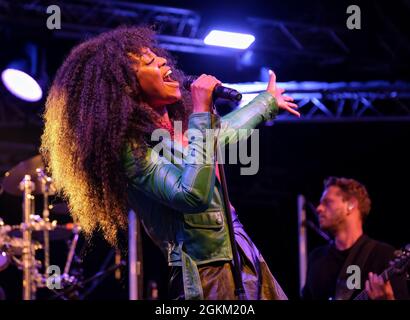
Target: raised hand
(284,102)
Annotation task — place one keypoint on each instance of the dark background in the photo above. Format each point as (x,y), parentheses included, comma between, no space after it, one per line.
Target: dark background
(295,156)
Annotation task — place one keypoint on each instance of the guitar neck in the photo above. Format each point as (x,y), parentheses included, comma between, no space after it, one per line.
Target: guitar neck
(386,274)
(397,266)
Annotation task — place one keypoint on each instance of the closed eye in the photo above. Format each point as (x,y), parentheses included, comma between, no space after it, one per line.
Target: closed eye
(153,59)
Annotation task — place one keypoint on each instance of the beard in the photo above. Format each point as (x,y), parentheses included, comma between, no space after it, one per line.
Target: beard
(332,224)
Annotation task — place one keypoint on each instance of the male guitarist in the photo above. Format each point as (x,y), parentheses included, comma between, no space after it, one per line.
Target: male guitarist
(343,207)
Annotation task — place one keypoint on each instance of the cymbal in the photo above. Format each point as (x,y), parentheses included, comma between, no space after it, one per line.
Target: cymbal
(61,232)
(12,178)
(59,209)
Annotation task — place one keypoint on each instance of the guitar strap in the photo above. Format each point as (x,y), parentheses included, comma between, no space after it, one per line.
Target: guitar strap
(357,256)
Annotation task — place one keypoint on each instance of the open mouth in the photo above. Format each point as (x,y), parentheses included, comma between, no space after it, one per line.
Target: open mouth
(168,80)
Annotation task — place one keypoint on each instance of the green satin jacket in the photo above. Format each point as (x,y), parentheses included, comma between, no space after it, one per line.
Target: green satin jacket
(177,196)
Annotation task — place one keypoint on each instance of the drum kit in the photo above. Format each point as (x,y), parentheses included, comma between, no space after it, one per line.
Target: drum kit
(20,244)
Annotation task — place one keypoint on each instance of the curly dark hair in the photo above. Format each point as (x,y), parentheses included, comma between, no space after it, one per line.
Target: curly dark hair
(352,189)
(94,108)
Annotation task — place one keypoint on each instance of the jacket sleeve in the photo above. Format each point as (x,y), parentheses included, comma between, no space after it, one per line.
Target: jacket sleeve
(188,190)
(239,124)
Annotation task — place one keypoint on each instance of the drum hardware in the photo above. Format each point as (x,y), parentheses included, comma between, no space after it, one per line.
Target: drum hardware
(4,257)
(46,189)
(19,243)
(71,252)
(12,247)
(72,292)
(27,186)
(59,209)
(13,177)
(4,260)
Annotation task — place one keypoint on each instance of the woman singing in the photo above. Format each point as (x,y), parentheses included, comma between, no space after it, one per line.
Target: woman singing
(109,96)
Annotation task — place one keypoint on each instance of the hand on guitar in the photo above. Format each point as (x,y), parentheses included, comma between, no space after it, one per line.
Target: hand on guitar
(377,289)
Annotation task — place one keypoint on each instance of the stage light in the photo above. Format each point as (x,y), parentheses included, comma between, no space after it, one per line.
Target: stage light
(24,76)
(229,39)
(21,84)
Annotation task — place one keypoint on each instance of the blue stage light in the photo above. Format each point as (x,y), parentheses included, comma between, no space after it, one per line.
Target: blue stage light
(229,39)
(21,84)
(25,76)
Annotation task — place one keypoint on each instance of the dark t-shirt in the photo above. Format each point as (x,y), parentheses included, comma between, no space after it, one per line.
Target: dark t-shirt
(326,262)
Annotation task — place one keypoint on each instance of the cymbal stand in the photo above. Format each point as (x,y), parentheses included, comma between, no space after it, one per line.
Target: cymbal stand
(72,290)
(29,286)
(71,253)
(46,185)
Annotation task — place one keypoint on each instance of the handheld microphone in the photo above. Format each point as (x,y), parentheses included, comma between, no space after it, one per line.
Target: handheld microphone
(219,91)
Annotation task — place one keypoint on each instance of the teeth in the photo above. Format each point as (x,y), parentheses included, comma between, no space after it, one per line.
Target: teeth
(167,73)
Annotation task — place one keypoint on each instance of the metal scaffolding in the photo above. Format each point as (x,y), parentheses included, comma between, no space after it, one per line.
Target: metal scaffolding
(177,27)
(341,101)
(96,15)
(182,30)
(300,39)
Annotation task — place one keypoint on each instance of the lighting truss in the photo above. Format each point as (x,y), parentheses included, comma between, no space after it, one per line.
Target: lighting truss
(340,101)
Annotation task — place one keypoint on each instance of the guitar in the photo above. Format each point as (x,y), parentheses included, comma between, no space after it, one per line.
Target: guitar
(397,266)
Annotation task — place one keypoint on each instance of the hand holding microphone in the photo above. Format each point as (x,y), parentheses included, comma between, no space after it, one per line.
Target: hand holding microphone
(205,88)
(218,92)
(201,91)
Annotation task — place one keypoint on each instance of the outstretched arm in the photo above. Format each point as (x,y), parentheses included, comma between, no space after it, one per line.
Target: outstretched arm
(262,108)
